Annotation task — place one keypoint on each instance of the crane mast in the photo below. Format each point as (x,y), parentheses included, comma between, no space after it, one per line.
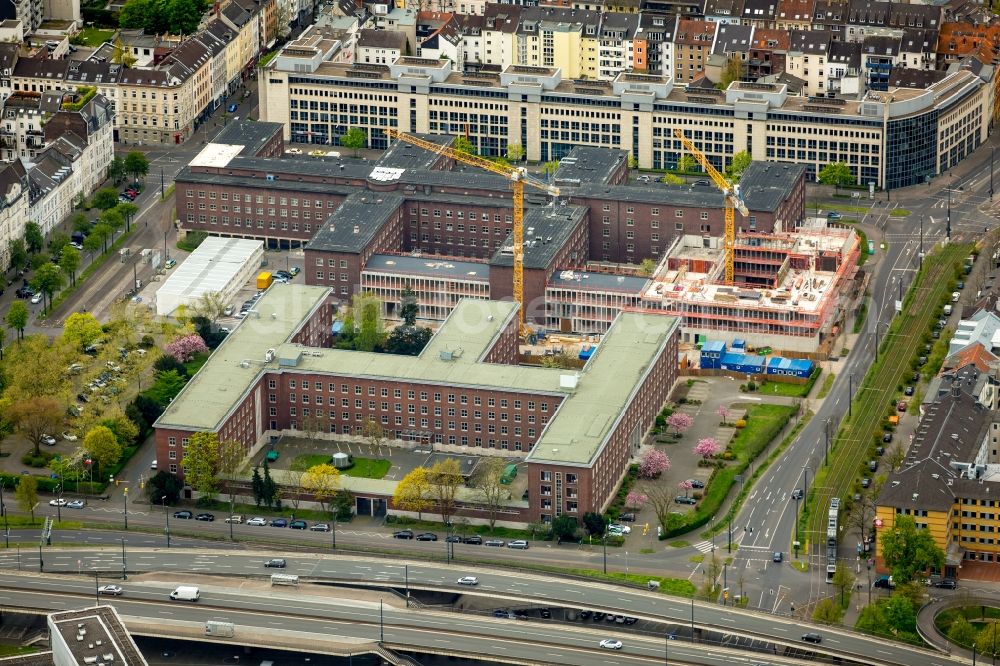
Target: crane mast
(733,199)
(517,177)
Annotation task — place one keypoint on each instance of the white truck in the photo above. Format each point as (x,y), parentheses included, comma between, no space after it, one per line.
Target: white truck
(186,593)
(223,629)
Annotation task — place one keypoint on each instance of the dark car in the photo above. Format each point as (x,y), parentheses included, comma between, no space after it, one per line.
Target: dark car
(183,515)
(474,540)
(403,534)
(866,482)
(627,517)
(797,494)
(427,536)
(879,450)
(777,557)
(231,108)
(24,292)
(501,613)
(82,397)
(680,499)
(887,437)
(284,275)
(908,390)
(812,637)
(207,517)
(695,483)
(453,538)
(298,525)
(946,583)
(496,543)
(275,563)
(279,522)
(915,377)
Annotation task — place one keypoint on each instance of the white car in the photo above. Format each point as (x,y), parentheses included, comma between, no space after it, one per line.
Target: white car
(611,644)
(76,504)
(152,465)
(114,590)
(37,298)
(468,580)
(57,502)
(69,437)
(622,529)
(48,440)
(257,522)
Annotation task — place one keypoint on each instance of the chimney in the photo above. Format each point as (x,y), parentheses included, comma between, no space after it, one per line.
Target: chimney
(357,229)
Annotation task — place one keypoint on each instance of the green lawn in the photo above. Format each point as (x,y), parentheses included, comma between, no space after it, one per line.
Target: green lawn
(899,212)
(846,208)
(363,468)
(194,365)
(15,650)
(94,37)
(786,389)
(863,255)
(827,385)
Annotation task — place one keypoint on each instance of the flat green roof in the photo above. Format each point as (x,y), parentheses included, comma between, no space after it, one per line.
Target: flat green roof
(596,397)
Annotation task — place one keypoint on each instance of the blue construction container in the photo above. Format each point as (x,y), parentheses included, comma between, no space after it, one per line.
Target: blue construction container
(711,354)
(586,352)
(739,345)
(750,364)
(337,327)
(790,367)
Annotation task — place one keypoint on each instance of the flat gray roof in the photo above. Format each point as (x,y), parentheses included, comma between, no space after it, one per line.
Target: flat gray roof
(355,222)
(582,280)
(546,231)
(251,135)
(586,164)
(431,266)
(575,434)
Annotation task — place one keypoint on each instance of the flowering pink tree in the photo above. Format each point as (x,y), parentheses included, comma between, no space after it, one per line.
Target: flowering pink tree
(685,486)
(707,447)
(679,422)
(184,348)
(653,463)
(636,500)
(724,414)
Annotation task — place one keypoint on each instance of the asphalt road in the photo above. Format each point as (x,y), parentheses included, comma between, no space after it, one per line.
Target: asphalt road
(508,589)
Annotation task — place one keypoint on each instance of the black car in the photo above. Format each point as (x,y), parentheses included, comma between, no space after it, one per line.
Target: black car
(427,536)
(797,494)
(685,500)
(403,534)
(812,637)
(275,563)
(915,377)
(695,483)
(474,540)
(183,515)
(207,517)
(946,583)
(82,397)
(879,450)
(24,292)
(453,538)
(627,517)
(887,437)
(908,390)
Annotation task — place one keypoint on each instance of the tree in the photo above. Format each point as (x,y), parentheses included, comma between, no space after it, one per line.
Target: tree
(595,523)
(741,162)
(136,14)
(445,478)
(515,152)
(899,613)
(121,55)
(734,70)
(80,223)
(653,463)
(408,340)
(837,174)
(186,348)
(184,17)
(322,481)
(33,237)
(165,388)
(724,414)
(269,490)
(988,640)
(687,164)
(57,241)
(550,168)
(105,198)
(164,484)
(686,485)
(81,329)
(48,280)
(211,305)
(661,498)
(671,179)
(136,163)
(355,140)
(167,363)
(93,242)
(908,551)
(367,316)
(18,252)
(69,262)
(122,427)
(413,492)
(647,267)
(128,212)
(257,486)
(636,500)
(408,308)
(17,317)
(564,528)
(102,232)
(34,418)
(373,432)
(489,482)
(463,145)
(843,581)
(113,218)
(828,612)
(962,632)
(26,494)
(102,446)
(680,422)
(706,447)
(231,456)
(201,462)
(36,368)
(38,260)
(116,169)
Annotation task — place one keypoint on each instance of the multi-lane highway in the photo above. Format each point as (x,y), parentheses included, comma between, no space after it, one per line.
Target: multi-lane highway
(502,588)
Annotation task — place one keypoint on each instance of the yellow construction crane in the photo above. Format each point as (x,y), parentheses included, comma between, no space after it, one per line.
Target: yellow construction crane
(734,201)
(518,177)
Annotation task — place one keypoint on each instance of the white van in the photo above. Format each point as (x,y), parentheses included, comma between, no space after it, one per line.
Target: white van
(186,593)
(947,310)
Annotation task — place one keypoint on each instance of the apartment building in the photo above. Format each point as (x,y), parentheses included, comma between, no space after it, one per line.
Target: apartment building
(29,12)
(693,41)
(13,206)
(86,117)
(21,134)
(892,140)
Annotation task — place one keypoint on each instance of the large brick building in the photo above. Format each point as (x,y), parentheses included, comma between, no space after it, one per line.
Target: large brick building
(464,394)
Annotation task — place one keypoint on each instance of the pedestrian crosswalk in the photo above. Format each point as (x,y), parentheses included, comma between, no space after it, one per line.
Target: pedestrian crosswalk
(704,546)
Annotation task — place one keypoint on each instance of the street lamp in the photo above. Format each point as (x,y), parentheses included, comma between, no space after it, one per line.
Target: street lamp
(59,490)
(3,510)
(166,517)
(126,508)
(124,570)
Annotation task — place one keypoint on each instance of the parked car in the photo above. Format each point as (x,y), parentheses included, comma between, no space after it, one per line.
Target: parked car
(866,482)
(518,544)
(205,517)
(257,522)
(880,450)
(170,263)
(453,538)
(495,543)
(403,534)
(294,270)
(887,437)
(235,519)
(320,527)
(183,515)
(69,437)
(695,483)
(76,504)
(468,580)
(112,590)
(474,540)
(946,583)
(232,108)
(153,464)
(48,440)
(680,499)
(901,406)
(427,536)
(627,517)
(59,501)
(279,522)
(624,529)
(298,525)
(274,563)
